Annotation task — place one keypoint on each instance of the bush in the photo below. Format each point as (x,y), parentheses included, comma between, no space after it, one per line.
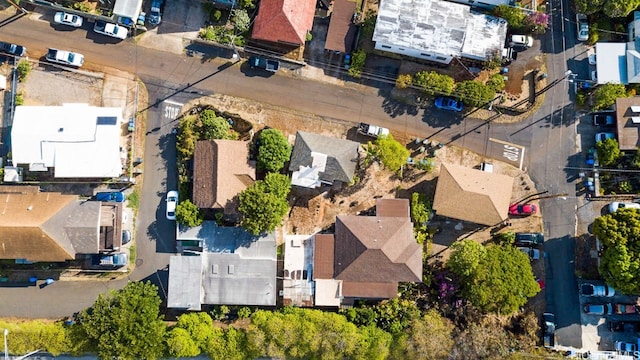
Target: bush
(82,6)
(496,82)
(433,83)
(605,95)
(404,81)
(188,214)
(23,68)
(474,93)
(19,99)
(216,15)
(357,63)
(27,336)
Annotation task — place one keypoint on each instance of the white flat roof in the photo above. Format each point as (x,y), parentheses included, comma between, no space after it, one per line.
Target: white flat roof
(611,63)
(128,8)
(78,140)
(439,26)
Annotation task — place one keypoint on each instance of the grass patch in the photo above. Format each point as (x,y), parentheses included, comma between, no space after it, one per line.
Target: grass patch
(134,200)
(132,254)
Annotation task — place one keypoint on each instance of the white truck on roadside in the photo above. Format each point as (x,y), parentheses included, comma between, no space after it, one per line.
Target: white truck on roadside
(64,57)
(372,130)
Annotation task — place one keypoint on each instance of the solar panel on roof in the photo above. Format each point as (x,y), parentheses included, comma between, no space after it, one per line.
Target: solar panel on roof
(107,120)
(635,109)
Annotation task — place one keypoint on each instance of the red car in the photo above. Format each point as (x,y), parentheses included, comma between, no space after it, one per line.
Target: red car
(522,209)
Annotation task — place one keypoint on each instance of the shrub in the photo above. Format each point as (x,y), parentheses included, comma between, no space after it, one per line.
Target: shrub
(216,15)
(496,82)
(433,83)
(357,63)
(19,99)
(23,68)
(404,81)
(82,6)
(474,93)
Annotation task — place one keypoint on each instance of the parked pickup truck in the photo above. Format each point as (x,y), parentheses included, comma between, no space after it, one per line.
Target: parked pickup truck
(257,62)
(625,309)
(372,130)
(64,57)
(603,120)
(587,289)
(109,29)
(155,16)
(110,261)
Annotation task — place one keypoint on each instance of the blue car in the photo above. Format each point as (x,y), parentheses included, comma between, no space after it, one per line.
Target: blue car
(446,103)
(115,196)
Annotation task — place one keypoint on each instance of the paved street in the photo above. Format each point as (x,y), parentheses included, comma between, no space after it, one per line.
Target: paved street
(548,136)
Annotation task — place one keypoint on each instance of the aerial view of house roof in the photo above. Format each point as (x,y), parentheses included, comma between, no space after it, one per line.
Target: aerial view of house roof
(472,195)
(628,122)
(318,158)
(371,254)
(77,140)
(284,21)
(47,226)
(234,268)
(440,27)
(342,31)
(222,170)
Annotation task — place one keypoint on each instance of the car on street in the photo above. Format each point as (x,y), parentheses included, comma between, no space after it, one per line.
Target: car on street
(534,254)
(592,59)
(603,120)
(155,15)
(64,18)
(604,136)
(446,103)
(625,309)
(64,57)
(588,289)
(522,41)
(522,209)
(583,27)
(616,205)
(172,203)
(109,29)
(110,196)
(12,49)
(529,239)
(598,309)
(549,330)
(591,157)
(626,347)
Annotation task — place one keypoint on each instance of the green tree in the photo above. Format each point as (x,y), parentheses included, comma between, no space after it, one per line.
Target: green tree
(502,282)
(433,83)
(215,127)
(605,95)
(241,20)
(619,233)
(589,6)
(391,153)
(23,69)
(608,152)
(358,59)
(465,258)
(514,16)
(428,337)
(180,344)
(199,326)
(636,159)
(126,324)
(264,204)
(620,8)
(274,150)
(187,137)
(496,82)
(188,214)
(404,81)
(474,93)
(374,344)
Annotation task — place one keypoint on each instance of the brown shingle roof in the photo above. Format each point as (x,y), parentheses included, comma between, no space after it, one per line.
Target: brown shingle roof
(371,290)
(221,171)
(342,30)
(284,21)
(323,256)
(24,214)
(472,195)
(628,132)
(376,249)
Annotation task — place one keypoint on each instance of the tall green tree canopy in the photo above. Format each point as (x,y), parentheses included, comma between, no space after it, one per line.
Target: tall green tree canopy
(392,153)
(605,95)
(608,152)
(588,6)
(215,127)
(433,83)
(428,337)
(500,279)
(620,8)
(126,324)
(274,150)
(619,234)
(514,16)
(474,93)
(187,213)
(264,204)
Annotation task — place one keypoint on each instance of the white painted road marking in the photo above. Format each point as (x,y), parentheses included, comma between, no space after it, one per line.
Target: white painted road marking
(171,109)
(514,153)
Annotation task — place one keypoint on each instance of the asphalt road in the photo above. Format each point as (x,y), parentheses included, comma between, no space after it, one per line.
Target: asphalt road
(549,138)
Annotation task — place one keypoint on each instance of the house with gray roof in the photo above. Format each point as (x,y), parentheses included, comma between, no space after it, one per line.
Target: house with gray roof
(222,266)
(437,30)
(49,226)
(318,159)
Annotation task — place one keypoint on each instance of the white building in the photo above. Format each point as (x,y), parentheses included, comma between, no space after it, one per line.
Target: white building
(437,30)
(489,4)
(76,140)
(619,63)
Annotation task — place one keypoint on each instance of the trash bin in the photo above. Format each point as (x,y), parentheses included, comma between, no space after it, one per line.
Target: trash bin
(49,281)
(33,279)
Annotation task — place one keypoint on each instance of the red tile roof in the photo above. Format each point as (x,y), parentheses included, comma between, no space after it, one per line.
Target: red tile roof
(323,256)
(284,21)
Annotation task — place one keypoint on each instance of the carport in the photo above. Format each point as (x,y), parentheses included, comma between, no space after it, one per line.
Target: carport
(129,9)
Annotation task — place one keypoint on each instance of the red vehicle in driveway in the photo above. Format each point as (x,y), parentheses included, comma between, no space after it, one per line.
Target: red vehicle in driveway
(522,209)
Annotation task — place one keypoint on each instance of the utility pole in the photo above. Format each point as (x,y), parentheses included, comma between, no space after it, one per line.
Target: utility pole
(6,349)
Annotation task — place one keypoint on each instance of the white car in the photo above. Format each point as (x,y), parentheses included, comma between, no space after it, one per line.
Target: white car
(172,202)
(592,59)
(583,27)
(109,29)
(594,76)
(615,206)
(521,41)
(604,136)
(64,18)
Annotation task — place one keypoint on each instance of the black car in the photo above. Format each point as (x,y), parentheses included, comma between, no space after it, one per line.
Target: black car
(549,329)
(12,49)
(624,326)
(529,239)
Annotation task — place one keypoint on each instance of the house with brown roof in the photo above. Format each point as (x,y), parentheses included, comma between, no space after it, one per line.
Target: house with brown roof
(48,226)
(222,170)
(628,123)
(367,256)
(342,31)
(284,21)
(472,195)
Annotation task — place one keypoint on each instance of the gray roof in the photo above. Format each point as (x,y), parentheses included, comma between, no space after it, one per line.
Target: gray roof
(236,268)
(341,155)
(77,225)
(439,26)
